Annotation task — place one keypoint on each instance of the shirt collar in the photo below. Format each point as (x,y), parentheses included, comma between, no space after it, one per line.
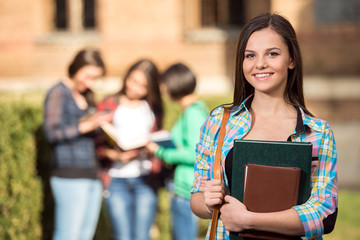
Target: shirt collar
(303,121)
(308,121)
(245,105)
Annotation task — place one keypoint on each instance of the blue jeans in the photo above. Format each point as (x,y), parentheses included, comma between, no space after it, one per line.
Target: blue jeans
(77,207)
(185,223)
(132,207)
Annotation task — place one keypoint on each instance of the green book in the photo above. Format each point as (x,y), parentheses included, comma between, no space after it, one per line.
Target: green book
(271,153)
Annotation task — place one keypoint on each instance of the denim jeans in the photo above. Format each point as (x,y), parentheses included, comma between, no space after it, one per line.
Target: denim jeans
(185,223)
(77,207)
(132,207)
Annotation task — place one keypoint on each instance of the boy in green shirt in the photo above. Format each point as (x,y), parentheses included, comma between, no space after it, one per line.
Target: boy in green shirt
(180,83)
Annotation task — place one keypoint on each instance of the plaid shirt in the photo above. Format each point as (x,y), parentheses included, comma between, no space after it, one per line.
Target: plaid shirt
(323,199)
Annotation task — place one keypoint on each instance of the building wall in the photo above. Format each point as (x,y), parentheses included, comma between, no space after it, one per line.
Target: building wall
(33,54)
(129,30)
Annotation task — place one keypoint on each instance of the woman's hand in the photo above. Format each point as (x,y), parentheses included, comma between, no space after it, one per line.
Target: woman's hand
(118,155)
(152,147)
(234,214)
(214,193)
(125,157)
(94,121)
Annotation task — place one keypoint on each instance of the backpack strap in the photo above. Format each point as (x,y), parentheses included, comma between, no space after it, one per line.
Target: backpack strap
(217,169)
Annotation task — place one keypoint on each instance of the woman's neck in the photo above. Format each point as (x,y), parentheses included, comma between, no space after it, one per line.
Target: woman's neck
(187,101)
(129,102)
(69,83)
(267,106)
(79,99)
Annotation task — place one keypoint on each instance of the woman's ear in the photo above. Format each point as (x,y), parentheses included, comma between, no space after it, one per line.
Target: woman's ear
(291,64)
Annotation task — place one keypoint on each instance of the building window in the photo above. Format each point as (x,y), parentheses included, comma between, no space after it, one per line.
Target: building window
(335,11)
(75,15)
(236,13)
(219,13)
(209,13)
(60,15)
(89,14)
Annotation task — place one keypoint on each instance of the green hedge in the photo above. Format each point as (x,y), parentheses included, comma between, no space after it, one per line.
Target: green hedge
(20,189)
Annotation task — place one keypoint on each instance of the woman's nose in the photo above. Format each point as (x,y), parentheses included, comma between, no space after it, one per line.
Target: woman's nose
(261,63)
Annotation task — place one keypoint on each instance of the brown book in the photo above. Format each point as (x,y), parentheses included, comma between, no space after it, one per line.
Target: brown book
(269,189)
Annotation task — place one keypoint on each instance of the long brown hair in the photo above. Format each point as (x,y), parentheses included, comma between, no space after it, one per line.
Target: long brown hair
(294,86)
(84,58)
(153,96)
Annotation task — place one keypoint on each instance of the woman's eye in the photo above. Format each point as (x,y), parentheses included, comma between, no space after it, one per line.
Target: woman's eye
(273,54)
(249,55)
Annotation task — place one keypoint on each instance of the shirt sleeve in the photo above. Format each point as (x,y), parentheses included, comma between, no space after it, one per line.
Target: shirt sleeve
(185,154)
(324,195)
(55,127)
(204,151)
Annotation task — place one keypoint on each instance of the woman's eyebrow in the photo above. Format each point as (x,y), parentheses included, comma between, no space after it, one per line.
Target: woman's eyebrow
(273,48)
(267,50)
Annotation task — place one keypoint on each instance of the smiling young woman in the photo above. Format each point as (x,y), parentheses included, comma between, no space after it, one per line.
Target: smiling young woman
(268,104)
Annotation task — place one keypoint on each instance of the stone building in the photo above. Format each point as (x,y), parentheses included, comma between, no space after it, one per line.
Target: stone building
(39,37)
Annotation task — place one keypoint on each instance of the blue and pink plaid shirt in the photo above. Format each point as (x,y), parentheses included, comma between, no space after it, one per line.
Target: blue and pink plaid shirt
(324,195)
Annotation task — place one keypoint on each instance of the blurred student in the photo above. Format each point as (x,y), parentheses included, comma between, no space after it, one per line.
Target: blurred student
(180,83)
(74,179)
(138,111)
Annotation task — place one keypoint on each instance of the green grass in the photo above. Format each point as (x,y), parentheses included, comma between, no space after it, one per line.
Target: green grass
(348,221)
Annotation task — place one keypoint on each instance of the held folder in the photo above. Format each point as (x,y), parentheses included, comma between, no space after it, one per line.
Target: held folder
(270,153)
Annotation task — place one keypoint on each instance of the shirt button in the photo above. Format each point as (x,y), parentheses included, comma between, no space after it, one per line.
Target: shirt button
(327,195)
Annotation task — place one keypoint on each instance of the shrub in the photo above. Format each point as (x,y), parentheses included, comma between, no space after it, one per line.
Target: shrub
(20,188)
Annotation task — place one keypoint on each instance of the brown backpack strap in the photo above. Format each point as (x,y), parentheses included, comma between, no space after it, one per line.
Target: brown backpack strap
(217,170)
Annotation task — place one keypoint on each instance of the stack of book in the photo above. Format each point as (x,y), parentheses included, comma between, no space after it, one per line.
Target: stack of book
(270,176)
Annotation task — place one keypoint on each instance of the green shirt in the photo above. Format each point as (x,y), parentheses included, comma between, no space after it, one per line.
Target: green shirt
(185,134)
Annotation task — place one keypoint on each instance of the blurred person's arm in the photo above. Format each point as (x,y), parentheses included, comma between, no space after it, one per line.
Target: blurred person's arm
(185,134)
(58,126)
(55,127)
(115,154)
